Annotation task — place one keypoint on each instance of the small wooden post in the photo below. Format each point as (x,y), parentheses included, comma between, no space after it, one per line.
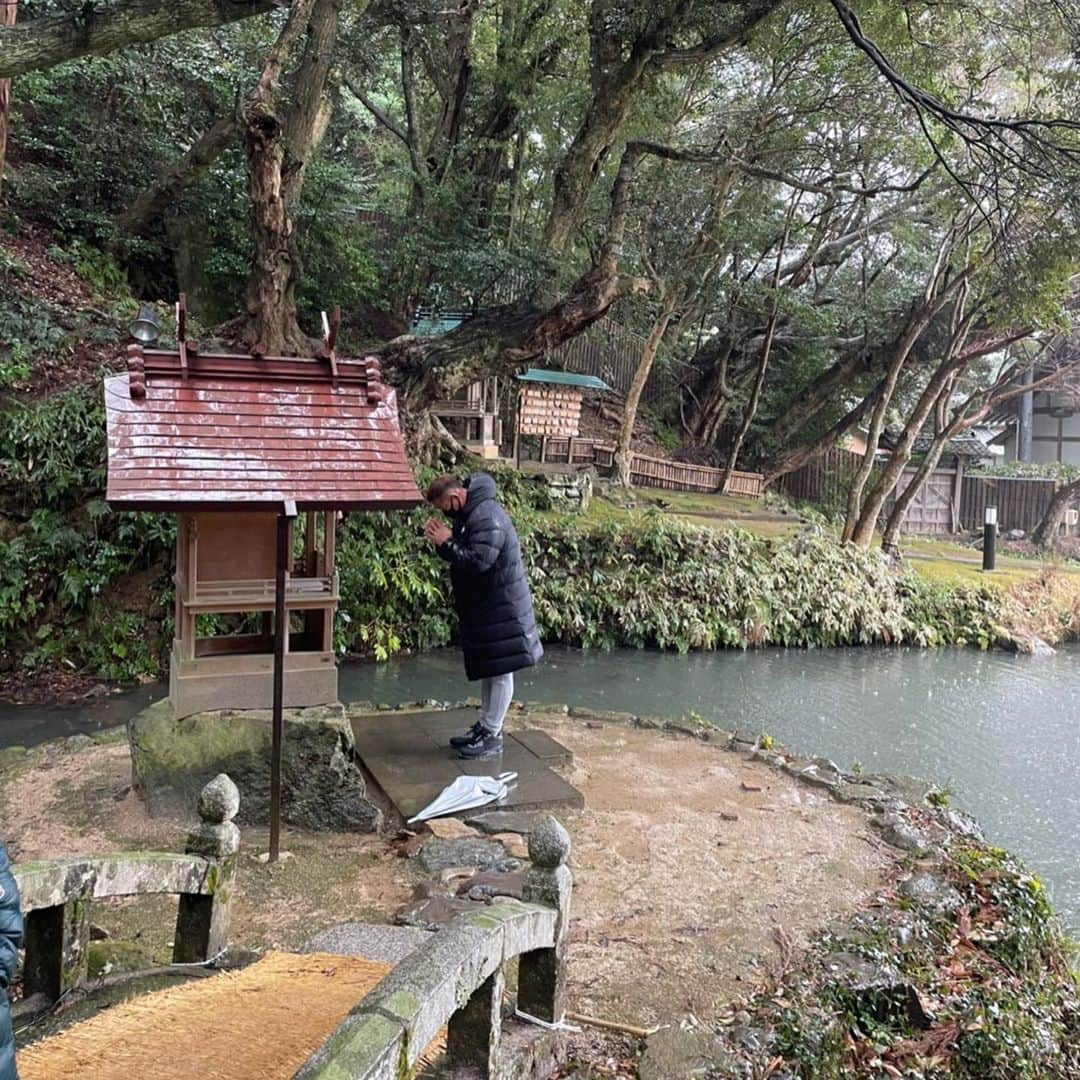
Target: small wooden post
(281,631)
(517,433)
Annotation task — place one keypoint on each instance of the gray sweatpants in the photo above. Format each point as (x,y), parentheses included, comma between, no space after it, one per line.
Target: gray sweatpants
(495,697)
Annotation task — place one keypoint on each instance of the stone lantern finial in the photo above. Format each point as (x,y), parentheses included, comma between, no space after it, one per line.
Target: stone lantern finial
(549,844)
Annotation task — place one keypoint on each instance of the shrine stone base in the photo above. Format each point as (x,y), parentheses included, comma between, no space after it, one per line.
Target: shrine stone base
(210,683)
(322,788)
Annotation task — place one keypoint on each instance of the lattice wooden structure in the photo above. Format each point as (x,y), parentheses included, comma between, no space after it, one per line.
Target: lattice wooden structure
(231,443)
(473,415)
(549,405)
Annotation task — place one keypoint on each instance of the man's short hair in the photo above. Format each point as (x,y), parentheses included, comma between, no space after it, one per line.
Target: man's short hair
(441,485)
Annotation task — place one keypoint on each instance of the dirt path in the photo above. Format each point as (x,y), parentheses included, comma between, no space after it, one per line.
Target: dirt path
(65,803)
(691,864)
(674,902)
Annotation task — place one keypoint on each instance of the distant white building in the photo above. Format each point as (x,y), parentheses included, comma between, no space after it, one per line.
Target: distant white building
(1054,426)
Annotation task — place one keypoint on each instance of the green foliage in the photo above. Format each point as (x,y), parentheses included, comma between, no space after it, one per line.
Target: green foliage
(64,549)
(652,582)
(941,613)
(52,450)
(97,268)
(394,589)
(1004,1002)
(35,332)
(1038,470)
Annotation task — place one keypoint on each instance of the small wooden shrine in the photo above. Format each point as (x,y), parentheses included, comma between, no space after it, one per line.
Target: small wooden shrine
(549,404)
(473,416)
(257,456)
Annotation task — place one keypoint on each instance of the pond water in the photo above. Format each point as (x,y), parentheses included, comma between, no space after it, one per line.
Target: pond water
(1002,731)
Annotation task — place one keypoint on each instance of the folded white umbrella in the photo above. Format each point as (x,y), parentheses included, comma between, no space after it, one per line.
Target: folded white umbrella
(466,793)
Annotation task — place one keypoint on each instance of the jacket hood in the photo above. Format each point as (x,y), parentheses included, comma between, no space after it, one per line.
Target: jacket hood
(481,488)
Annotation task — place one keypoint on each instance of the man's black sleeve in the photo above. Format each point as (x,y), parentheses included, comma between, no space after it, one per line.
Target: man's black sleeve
(478,548)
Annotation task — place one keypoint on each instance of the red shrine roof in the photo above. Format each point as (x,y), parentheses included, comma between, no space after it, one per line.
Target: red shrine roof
(193,431)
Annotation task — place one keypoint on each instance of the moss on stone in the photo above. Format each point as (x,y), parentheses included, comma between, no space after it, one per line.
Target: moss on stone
(322,787)
(116,958)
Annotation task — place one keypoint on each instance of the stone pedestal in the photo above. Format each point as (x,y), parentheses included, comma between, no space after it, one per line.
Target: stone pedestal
(322,788)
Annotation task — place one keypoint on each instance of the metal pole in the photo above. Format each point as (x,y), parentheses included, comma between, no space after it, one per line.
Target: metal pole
(1024,427)
(989,537)
(281,628)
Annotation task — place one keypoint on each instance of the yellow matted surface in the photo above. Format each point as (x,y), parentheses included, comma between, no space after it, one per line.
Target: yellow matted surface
(259,1023)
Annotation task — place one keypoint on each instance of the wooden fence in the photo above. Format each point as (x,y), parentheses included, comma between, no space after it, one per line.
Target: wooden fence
(825,480)
(1021,501)
(651,472)
(611,352)
(950,500)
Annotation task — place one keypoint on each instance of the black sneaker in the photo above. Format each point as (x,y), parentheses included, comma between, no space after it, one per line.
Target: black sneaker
(484,745)
(470,736)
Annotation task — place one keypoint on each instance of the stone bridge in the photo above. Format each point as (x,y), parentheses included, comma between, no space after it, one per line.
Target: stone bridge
(456,980)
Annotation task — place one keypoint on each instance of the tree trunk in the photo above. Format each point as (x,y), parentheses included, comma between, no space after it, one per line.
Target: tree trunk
(890,538)
(498,342)
(1046,532)
(763,365)
(278,152)
(712,396)
(53,39)
(624,454)
(8,12)
(876,426)
(863,531)
(618,70)
(935,298)
(503,340)
(752,405)
(973,411)
(803,455)
(810,400)
(150,204)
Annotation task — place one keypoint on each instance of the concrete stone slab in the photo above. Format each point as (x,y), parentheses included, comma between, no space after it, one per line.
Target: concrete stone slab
(543,746)
(491,883)
(439,854)
(375,941)
(504,821)
(408,757)
(673,1052)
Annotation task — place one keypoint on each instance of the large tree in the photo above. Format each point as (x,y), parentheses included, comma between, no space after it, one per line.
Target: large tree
(92,30)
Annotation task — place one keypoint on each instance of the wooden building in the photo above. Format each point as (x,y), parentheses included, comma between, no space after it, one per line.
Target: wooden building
(240,447)
(472,416)
(1046,431)
(549,406)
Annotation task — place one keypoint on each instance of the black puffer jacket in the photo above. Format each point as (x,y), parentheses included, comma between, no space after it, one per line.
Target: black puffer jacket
(491,593)
(10,938)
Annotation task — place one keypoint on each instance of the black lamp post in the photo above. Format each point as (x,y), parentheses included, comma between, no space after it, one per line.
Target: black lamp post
(989,537)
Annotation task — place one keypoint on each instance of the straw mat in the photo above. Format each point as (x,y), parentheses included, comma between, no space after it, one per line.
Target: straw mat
(259,1023)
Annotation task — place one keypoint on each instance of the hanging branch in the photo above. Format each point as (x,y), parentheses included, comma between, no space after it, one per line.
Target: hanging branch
(766,349)
(1032,146)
